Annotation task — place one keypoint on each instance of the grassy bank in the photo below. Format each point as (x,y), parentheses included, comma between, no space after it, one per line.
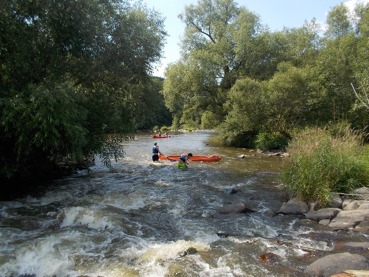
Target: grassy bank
(323,161)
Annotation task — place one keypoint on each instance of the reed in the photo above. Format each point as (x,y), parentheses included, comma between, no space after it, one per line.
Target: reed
(323,161)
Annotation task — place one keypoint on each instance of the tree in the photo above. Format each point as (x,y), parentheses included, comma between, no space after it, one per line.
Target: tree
(338,22)
(294,99)
(70,72)
(208,67)
(189,91)
(248,112)
(335,64)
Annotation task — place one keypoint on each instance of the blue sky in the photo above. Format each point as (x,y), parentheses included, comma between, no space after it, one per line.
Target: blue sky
(274,13)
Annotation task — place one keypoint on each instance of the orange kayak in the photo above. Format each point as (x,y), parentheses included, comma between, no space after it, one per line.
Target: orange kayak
(211,158)
(162,136)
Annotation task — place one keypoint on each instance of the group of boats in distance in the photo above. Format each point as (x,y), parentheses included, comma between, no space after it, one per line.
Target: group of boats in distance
(195,158)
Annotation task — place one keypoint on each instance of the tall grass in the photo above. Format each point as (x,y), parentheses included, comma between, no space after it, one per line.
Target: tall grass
(322,161)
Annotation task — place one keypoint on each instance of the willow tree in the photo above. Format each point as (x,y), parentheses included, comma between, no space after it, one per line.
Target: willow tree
(71,71)
(335,64)
(359,116)
(216,30)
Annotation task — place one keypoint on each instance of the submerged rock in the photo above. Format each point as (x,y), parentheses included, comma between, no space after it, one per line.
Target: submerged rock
(231,190)
(268,257)
(189,251)
(235,208)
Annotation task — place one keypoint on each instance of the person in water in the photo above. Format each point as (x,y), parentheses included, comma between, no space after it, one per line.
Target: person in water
(183,160)
(156,152)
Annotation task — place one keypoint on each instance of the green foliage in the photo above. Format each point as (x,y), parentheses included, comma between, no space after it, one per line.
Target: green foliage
(248,111)
(338,22)
(215,31)
(322,163)
(165,128)
(289,100)
(210,120)
(238,76)
(111,149)
(271,141)
(294,98)
(48,120)
(71,72)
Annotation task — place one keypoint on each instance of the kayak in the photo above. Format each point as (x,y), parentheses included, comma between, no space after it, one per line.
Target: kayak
(211,158)
(162,136)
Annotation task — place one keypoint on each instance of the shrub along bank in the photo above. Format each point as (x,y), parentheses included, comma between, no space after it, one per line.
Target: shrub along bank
(323,161)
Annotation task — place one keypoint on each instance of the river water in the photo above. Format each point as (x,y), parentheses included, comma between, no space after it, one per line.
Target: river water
(143,219)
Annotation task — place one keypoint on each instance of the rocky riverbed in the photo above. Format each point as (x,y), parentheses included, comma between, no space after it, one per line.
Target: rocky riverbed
(346,213)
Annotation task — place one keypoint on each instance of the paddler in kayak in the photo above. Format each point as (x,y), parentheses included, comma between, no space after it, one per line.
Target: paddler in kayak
(156,152)
(183,160)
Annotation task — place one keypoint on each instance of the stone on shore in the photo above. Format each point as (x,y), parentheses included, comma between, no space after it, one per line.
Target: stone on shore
(325,213)
(348,219)
(337,263)
(294,206)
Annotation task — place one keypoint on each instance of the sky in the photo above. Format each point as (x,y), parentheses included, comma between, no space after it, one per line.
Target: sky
(276,14)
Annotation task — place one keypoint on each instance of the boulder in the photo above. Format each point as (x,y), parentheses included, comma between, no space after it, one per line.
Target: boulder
(231,190)
(346,202)
(336,201)
(324,222)
(294,206)
(348,219)
(235,208)
(353,205)
(352,244)
(336,263)
(352,273)
(363,192)
(325,213)
(362,227)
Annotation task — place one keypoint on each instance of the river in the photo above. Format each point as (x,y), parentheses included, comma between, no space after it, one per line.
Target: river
(143,219)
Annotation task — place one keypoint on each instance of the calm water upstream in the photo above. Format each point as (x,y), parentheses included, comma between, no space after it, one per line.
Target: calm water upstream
(140,218)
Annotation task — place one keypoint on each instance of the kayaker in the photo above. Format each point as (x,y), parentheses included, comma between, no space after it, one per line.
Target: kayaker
(183,160)
(156,152)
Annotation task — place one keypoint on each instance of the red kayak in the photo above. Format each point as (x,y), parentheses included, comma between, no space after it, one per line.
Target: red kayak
(211,158)
(162,136)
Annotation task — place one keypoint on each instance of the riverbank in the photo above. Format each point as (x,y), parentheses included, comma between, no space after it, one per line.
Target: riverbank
(346,213)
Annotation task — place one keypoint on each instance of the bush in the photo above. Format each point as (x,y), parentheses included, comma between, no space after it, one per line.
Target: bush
(321,163)
(271,141)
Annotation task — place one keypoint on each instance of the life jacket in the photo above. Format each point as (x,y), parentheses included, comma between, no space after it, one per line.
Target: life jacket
(155,150)
(183,157)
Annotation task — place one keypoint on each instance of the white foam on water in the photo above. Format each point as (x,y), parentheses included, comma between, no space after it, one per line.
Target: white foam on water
(49,197)
(133,201)
(222,268)
(40,258)
(162,183)
(10,205)
(92,218)
(155,258)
